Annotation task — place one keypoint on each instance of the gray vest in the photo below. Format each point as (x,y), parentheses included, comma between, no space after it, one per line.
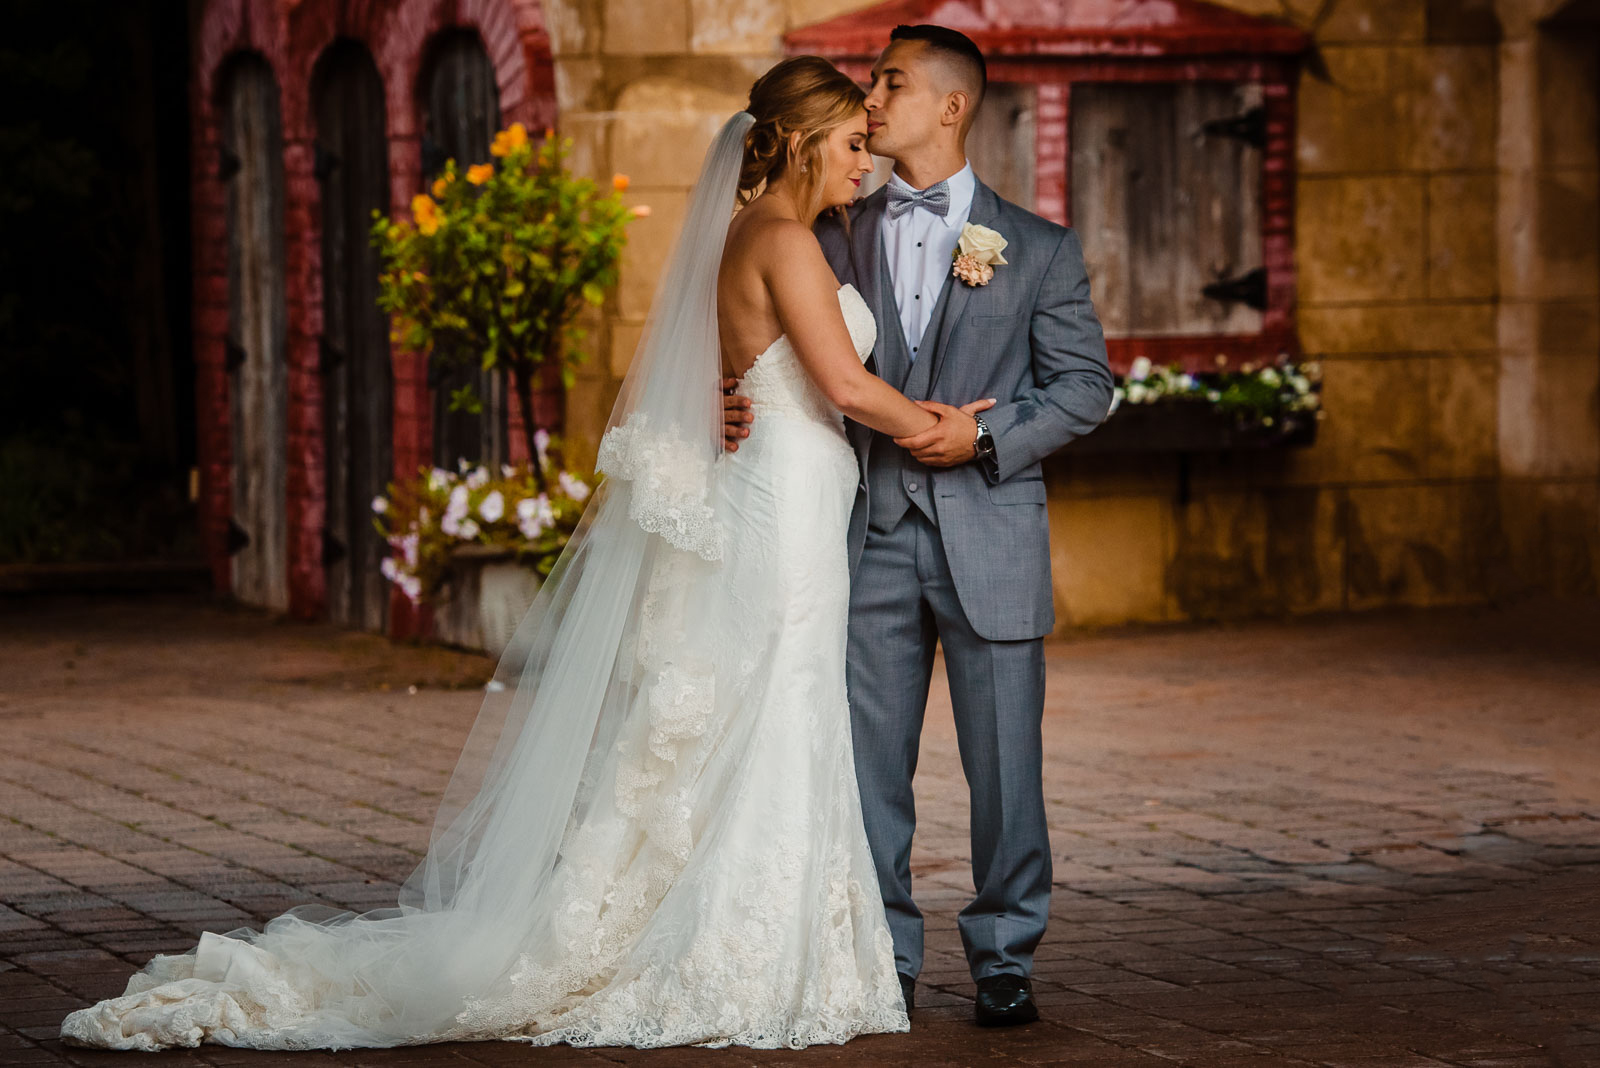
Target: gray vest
(896,482)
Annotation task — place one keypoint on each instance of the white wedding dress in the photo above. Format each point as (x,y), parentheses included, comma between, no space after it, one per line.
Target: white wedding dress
(713,884)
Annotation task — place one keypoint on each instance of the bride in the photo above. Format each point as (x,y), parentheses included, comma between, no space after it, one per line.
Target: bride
(653,836)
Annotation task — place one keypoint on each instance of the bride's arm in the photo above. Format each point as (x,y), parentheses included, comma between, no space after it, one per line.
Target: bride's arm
(805,294)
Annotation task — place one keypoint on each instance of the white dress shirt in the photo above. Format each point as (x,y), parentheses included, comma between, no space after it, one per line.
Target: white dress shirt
(919,245)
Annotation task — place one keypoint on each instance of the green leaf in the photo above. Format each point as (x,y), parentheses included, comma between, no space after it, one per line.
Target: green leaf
(466,399)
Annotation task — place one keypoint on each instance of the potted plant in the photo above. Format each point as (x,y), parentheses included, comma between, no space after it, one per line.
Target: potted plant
(492,270)
(1166,409)
(475,544)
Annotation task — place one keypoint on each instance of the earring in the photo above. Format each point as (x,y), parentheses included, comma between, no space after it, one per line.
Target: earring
(804,167)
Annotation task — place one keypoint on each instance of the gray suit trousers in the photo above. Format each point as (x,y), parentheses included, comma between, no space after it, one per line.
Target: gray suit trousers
(902,601)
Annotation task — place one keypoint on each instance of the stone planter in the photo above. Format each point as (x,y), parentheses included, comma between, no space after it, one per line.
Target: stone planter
(485,598)
(1189,427)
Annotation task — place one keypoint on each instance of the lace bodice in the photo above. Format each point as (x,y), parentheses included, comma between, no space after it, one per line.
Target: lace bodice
(777,382)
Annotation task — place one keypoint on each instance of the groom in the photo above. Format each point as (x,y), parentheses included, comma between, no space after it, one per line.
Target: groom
(949,539)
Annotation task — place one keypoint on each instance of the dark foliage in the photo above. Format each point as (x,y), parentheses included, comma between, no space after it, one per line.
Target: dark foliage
(96,421)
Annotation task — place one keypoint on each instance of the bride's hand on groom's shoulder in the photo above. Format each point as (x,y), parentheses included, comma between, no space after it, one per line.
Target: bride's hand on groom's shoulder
(736,415)
(953,439)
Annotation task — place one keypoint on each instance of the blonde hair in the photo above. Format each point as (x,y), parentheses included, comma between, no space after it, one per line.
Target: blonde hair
(805,95)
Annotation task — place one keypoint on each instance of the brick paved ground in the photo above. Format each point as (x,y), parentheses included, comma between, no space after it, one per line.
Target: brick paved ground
(1349,842)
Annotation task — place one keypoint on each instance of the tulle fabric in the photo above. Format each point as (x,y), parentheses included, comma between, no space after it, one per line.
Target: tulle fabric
(653,835)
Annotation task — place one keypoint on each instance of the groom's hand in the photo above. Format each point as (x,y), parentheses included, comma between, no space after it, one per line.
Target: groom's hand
(736,415)
(952,440)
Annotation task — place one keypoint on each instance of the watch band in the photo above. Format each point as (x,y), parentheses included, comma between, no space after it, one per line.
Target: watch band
(983,445)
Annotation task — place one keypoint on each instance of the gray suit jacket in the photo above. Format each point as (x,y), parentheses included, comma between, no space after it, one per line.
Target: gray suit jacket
(1031,340)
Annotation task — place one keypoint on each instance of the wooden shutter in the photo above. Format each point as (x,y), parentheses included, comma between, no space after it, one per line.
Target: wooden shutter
(1166,197)
(358,386)
(460,117)
(251,164)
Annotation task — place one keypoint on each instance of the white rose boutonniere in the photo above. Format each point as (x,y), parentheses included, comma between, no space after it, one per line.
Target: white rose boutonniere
(978,254)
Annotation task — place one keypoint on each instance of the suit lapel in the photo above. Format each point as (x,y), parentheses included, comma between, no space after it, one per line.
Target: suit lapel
(866,259)
(866,250)
(985,212)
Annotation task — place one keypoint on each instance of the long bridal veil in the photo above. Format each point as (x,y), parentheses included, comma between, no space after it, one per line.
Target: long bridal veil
(584,662)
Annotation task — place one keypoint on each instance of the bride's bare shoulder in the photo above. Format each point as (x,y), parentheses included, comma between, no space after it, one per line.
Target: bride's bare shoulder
(772,240)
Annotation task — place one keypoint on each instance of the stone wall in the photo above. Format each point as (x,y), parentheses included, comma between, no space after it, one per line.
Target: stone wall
(1396,254)
(1449,284)
(642,87)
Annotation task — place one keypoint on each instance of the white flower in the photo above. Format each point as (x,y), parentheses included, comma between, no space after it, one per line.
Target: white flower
(1137,393)
(389,569)
(1270,376)
(492,507)
(450,524)
(469,530)
(541,443)
(982,244)
(411,586)
(507,471)
(575,488)
(463,465)
(379,505)
(1140,369)
(1301,384)
(1213,395)
(1185,382)
(408,547)
(438,479)
(534,516)
(478,478)
(458,507)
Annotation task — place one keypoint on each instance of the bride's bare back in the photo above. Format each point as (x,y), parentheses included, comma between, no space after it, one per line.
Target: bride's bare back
(747,318)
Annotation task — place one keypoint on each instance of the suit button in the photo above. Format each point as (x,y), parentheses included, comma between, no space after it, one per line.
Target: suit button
(912,487)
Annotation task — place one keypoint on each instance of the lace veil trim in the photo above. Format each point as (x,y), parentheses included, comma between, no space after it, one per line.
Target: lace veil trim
(670,481)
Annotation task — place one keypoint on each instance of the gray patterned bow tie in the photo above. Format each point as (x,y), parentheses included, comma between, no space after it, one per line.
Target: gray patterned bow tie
(935,198)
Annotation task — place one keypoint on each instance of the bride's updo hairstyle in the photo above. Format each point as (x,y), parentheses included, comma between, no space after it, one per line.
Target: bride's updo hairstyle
(805,95)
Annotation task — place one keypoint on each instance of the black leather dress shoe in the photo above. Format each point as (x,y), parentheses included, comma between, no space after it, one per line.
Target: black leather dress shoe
(1004,1001)
(908,990)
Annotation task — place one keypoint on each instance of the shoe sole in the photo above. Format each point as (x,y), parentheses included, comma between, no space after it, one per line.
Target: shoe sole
(1010,1019)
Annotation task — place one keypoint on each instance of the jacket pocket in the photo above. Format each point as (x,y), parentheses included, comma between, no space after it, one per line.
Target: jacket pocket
(1026,491)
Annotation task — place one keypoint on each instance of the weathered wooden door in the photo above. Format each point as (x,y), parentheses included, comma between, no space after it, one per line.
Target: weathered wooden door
(461,112)
(252,166)
(358,390)
(1001,143)
(1166,196)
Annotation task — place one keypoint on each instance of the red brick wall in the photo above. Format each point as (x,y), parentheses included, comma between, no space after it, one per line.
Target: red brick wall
(291,35)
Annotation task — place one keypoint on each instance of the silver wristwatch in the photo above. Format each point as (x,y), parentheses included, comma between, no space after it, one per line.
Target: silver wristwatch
(983,448)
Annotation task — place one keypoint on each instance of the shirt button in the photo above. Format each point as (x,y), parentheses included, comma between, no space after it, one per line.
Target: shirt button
(917,297)
(919,244)
(912,487)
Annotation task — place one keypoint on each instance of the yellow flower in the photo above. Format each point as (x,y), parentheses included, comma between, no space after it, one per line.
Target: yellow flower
(619,182)
(439,187)
(426,212)
(509,140)
(480,173)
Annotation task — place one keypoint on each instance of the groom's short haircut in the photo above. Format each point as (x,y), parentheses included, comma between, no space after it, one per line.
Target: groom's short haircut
(957,49)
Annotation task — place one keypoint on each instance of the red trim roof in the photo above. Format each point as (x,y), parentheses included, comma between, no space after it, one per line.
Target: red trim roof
(1044,28)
